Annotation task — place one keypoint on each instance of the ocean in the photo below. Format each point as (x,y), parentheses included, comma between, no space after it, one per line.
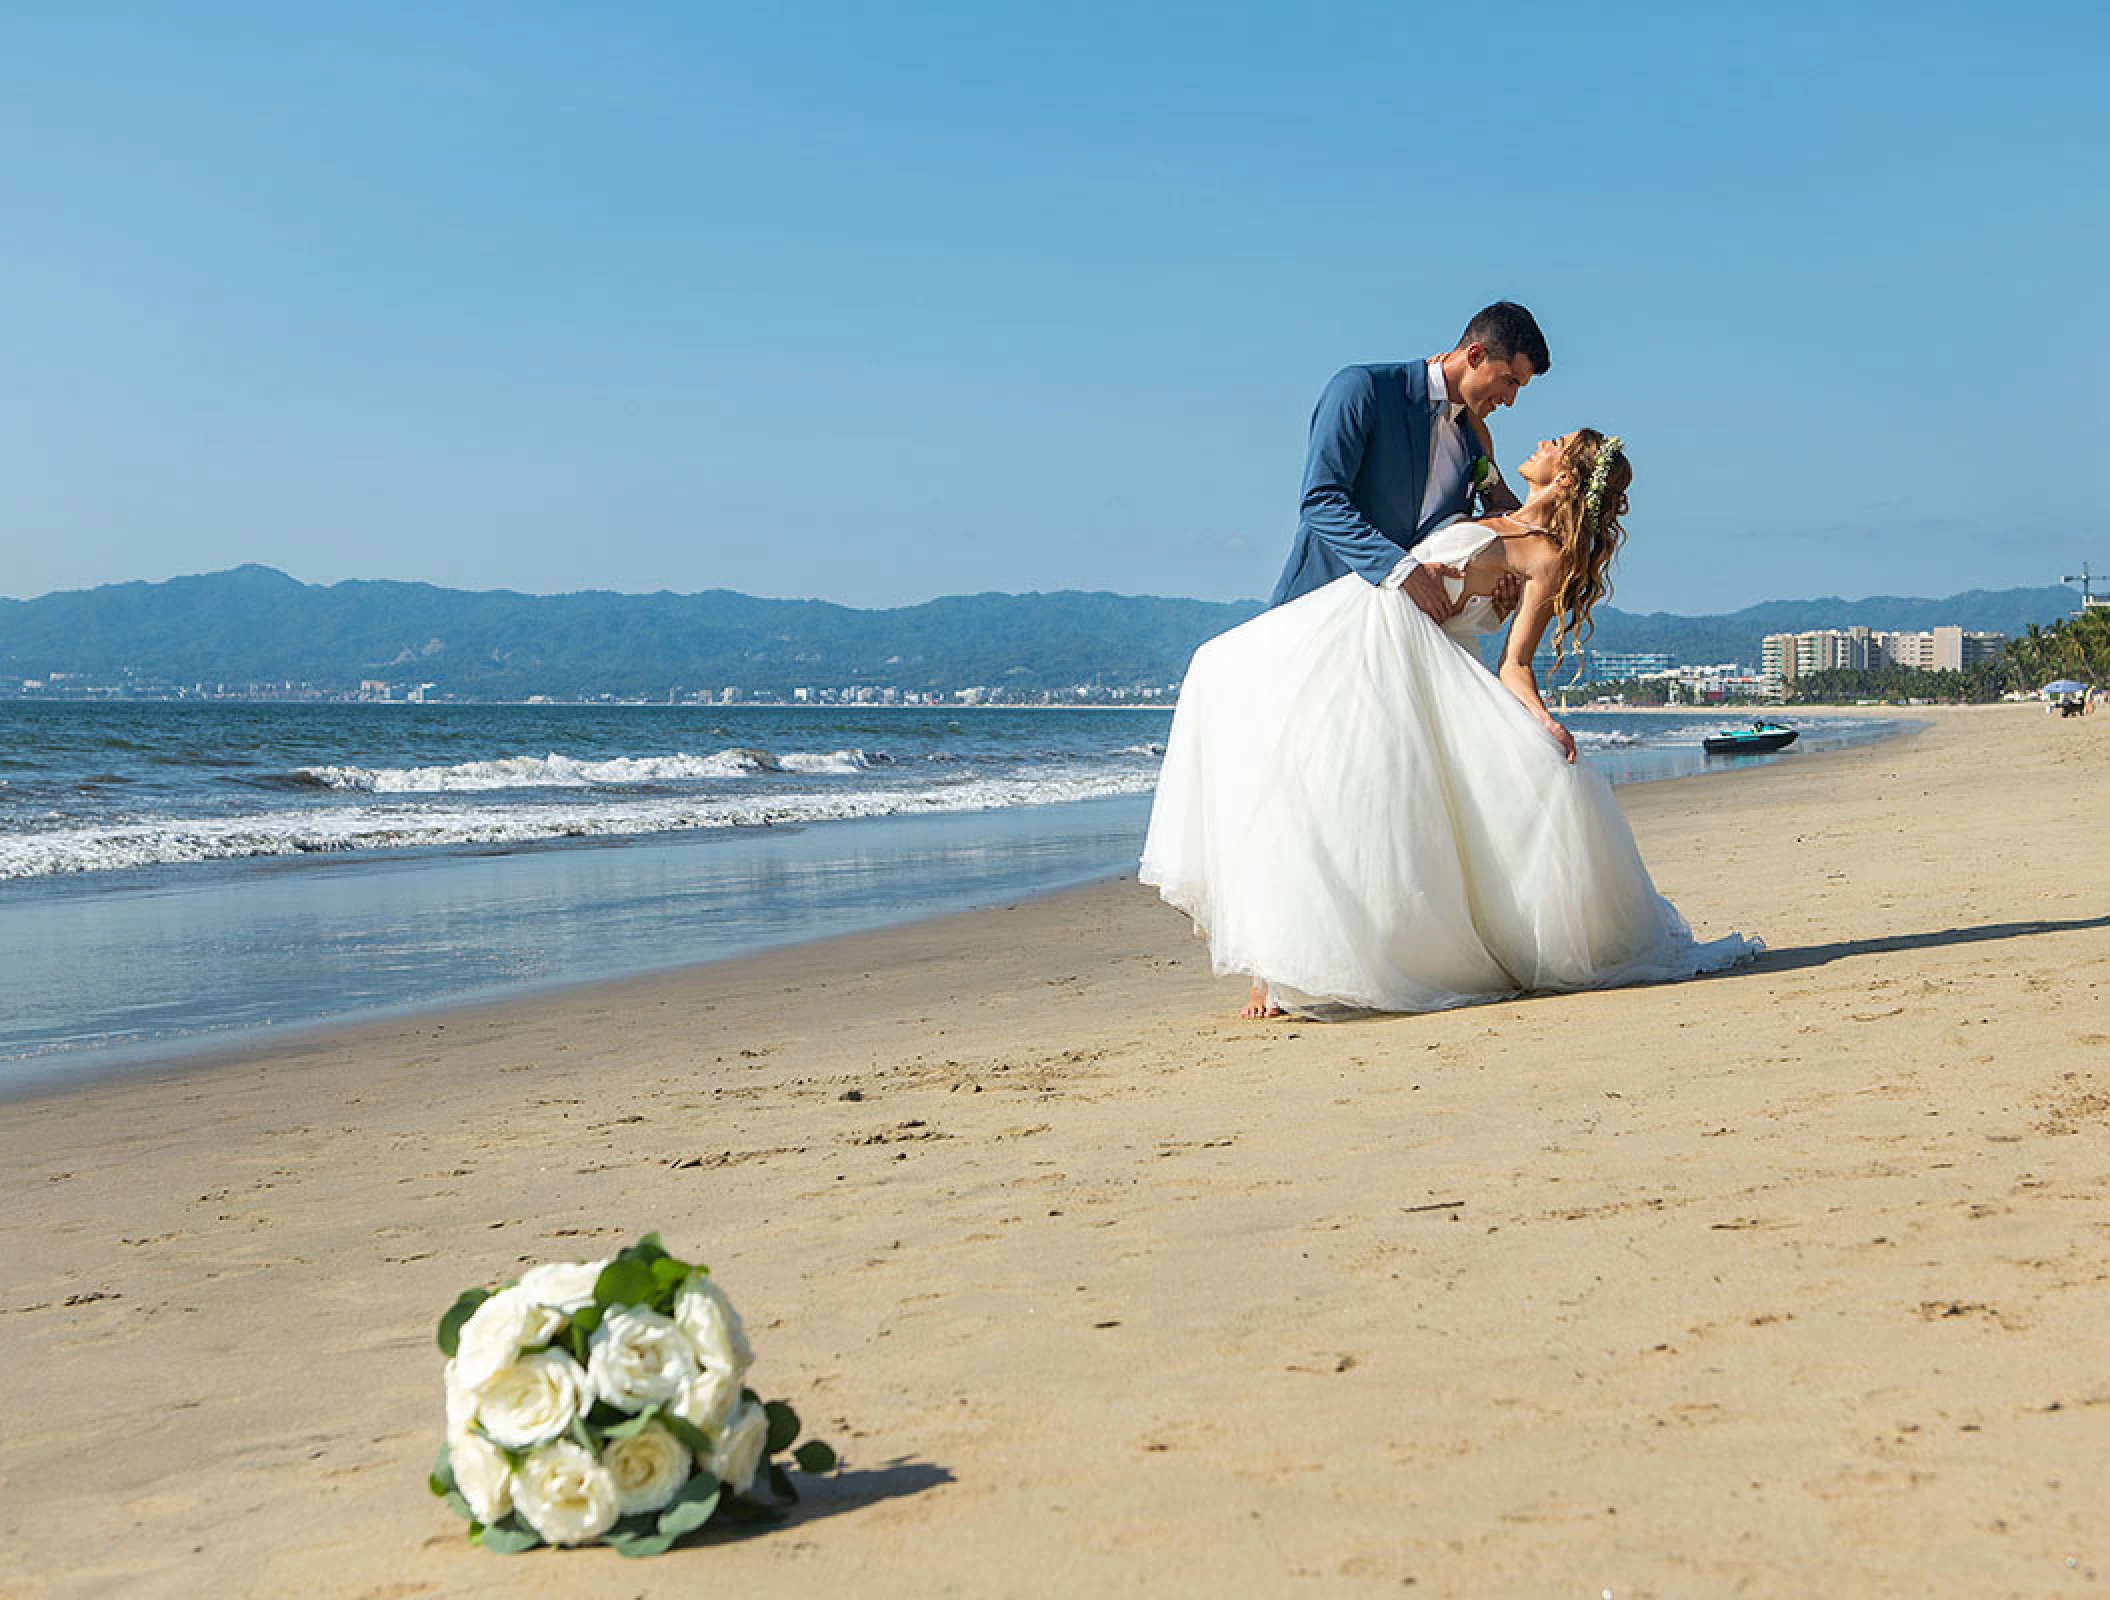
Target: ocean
(174,875)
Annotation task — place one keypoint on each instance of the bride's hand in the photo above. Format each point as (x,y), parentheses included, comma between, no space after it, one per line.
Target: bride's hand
(1561,737)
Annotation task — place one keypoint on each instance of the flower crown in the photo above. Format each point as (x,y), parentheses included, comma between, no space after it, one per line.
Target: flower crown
(1593,495)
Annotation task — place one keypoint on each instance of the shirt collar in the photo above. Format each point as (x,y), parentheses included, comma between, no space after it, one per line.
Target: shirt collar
(1440,402)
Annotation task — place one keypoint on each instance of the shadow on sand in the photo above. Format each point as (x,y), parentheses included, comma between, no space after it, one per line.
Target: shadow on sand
(838,1492)
(1819,955)
(1770,963)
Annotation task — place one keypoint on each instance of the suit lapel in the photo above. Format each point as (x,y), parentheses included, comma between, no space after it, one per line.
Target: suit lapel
(1421,436)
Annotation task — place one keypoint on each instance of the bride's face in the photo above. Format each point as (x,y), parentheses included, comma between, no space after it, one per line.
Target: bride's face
(1543,465)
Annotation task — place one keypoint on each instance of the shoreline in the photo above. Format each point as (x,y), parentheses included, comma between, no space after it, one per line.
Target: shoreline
(1700,1288)
(354,1030)
(222,1014)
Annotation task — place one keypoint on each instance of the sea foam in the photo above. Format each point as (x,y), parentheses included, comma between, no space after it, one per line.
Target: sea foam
(427,824)
(555,771)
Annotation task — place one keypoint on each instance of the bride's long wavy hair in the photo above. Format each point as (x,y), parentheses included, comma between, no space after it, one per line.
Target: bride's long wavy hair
(1587,543)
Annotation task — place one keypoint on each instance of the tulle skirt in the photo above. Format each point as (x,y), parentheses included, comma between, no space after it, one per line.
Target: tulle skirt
(1353,809)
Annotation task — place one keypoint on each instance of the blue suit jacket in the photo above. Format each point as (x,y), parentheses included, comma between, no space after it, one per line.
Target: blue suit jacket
(1365,477)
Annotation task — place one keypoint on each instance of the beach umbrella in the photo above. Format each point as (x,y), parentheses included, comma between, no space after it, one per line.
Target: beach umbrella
(2063,686)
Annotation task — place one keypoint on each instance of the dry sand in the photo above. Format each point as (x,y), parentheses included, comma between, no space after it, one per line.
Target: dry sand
(1794,1281)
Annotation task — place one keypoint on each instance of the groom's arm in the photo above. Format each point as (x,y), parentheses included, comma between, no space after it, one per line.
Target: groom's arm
(1340,437)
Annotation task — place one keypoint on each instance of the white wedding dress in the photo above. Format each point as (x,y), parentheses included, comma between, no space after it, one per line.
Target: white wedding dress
(1355,810)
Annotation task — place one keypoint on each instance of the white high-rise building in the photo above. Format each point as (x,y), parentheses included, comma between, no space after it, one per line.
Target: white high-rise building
(1785,657)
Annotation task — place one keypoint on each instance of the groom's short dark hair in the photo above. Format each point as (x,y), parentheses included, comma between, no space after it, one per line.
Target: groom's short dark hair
(1507,330)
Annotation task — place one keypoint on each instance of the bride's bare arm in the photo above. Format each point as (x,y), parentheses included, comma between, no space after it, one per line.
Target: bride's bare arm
(1534,615)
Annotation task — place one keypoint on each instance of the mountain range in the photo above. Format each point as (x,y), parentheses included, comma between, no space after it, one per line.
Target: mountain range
(256,625)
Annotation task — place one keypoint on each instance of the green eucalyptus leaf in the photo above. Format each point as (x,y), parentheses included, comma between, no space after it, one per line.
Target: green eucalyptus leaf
(631,1427)
(783,1427)
(582,1436)
(691,1507)
(458,1503)
(687,1432)
(461,1311)
(635,1546)
(441,1479)
(509,1535)
(586,1318)
(780,1482)
(624,1283)
(646,1250)
(814,1456)
(669,1271)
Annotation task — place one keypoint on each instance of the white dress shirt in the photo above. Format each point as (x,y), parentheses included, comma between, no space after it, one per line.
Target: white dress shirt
(1448,455)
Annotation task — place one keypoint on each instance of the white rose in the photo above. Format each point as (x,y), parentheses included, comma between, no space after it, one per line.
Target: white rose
(713,1326)
(461,1403)
(565,1286)
(483,1475)
(497,1331)
(708,1401)
(533,1400)
(648,1469)
(737,1454)
(565,1495)
(638,1359)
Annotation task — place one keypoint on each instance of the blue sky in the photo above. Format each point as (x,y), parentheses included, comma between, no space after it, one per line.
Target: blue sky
(879,302)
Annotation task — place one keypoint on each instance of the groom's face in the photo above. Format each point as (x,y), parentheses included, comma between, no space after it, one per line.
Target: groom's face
(1489,384)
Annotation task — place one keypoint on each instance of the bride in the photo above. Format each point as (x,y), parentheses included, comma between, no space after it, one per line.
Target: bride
(1357,814)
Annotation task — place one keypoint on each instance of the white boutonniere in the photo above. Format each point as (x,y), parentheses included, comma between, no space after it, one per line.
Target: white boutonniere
(1486,478)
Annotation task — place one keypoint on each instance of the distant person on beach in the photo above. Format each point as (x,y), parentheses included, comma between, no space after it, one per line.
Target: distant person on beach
(1399,449)
(1359,815)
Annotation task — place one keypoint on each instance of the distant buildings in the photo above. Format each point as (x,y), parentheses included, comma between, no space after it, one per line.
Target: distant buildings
(1680,685)
(1786,657)
(378,689)
(1709,685)
(1683,683)
(1615,666)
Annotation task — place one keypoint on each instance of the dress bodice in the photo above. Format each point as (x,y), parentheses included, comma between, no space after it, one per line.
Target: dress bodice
(1453,545)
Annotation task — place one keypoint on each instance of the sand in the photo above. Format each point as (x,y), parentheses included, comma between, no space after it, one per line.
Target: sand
(1791,1281)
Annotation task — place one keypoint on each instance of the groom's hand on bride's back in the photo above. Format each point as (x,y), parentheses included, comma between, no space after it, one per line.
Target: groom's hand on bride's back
(1424,586)
(1509,589)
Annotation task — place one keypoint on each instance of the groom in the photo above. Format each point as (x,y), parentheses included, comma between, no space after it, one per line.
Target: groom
(1399,450)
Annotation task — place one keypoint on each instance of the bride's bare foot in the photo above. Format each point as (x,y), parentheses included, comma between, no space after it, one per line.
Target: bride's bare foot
(1256,1003)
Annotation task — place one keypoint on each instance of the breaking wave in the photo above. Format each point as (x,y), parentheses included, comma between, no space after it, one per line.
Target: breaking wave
(428,824)
(566,772)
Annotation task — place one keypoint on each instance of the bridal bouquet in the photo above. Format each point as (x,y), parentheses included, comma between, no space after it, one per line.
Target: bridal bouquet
(603,1400)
